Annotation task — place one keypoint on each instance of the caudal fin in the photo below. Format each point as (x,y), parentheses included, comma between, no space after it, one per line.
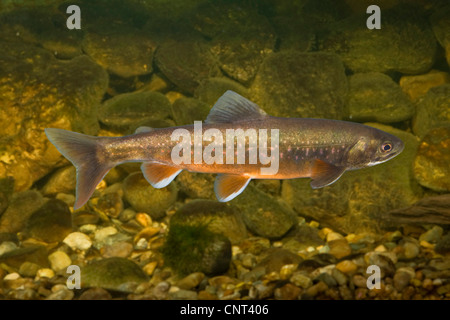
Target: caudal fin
(82,150)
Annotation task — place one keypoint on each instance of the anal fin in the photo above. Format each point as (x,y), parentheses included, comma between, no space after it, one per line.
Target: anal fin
(159,175)
(229,186)
(324,174)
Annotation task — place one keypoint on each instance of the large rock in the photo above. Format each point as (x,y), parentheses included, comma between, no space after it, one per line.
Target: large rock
(432,110)
(440,23)
(376,97)
(186,62)
(293,84)
(187,110)
(216,216)
(241,38)
(144,198)
(38,91)
(417,86)
(129,109)
(124,51)
(405,42)
(212,89)
(263,214)
(432,163)
(357,200)
(118,274)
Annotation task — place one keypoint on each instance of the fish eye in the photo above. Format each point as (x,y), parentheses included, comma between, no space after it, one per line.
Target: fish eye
(386,147)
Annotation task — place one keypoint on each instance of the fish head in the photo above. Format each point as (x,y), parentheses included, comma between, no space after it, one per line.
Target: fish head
(374,148)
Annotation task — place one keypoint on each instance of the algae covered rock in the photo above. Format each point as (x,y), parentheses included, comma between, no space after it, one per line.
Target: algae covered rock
(376,97)
(293,84)
(186,62)
(21,207)
(218,217)
(51,223)
(241,37)
(358,199)
(441,26)
(129,109)
(197,185)
(188,110)
(211,89)
(124,51)
(144,198)
(432,162)
(405,42)
(38,91)
(433,110)
(416,86)
(115,273)
(263,214)
(191,249)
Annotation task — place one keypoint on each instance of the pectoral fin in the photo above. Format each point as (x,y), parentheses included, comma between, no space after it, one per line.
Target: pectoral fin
(159,175)
(229,186)
(324,174)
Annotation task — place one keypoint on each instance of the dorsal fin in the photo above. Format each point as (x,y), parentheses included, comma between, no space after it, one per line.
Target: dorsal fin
(233,107)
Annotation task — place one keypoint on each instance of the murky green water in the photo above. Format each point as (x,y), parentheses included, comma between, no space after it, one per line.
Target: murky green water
(106,68)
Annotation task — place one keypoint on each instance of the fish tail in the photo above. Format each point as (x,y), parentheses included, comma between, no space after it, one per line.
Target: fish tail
(87,155)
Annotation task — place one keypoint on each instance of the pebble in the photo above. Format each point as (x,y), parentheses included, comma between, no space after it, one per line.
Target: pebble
(346,266)
(44,273)
(59,260)
(314,290)
(433,235)
(117,249)
(182,294)
(359,281)
(64,294)
(95,294)
(102,234)
(7,246)
(78,241)
(411,250)
(339,248)
(150,267)
(301,280)
(191,281)
(401,280)
(287,292)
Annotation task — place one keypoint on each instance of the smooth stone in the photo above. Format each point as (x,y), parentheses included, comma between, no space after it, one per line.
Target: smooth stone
(432,110)
(359,281)
(95,294)
(211,89)
(405,43)
(59,260)
(441,27)
(7,246)
(51,223)
(29,269)
(411,250)
(346,266)
(118,274)
(124,51)
(443,245)
(191,281)
(78,241)
(416,86)
(144,198)
(317,85)
(62,181)
(433,235)
(339,248)
(431,167)
(218,217)
(117,249)
(183,295)
(186,62)
(128,110)
(376,97)
(110,204)
(187,110)
(263,214)
(21,207)
(401,280)
(239,50)
(64,294)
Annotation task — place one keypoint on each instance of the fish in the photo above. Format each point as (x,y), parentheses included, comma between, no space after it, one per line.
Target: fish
(319,149)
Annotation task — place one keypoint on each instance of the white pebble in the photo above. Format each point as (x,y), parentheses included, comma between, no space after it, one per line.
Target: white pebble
(103,233)
(59,260)
(12,276)
(7,246)
(78,241)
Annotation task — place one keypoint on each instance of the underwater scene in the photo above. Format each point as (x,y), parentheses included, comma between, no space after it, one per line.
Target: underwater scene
(104,194)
